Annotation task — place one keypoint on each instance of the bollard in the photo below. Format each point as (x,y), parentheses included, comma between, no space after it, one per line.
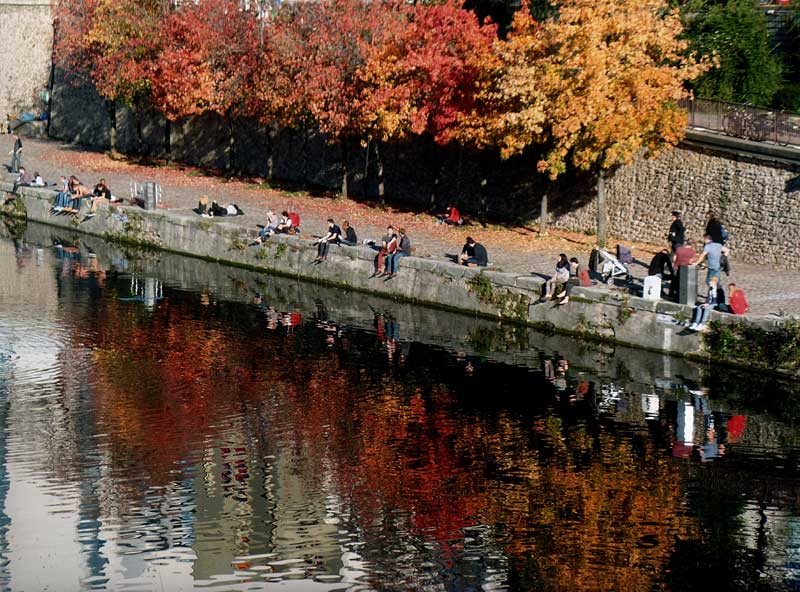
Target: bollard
(150,193)
(687,293)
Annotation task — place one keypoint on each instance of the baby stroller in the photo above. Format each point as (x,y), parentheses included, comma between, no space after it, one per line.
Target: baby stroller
(608,266)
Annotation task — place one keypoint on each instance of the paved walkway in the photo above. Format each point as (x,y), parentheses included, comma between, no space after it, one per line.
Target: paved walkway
(516,248)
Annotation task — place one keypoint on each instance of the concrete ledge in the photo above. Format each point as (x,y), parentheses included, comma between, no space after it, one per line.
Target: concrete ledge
(592,312)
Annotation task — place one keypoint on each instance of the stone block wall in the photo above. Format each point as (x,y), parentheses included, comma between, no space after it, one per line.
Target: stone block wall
(757,200)
(26,45)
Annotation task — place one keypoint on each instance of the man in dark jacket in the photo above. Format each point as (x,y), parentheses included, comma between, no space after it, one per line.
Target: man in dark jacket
(661,264)
(677,231)
(714,229)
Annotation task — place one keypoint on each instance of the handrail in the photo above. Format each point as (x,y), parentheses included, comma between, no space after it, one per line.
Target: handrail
(744,121)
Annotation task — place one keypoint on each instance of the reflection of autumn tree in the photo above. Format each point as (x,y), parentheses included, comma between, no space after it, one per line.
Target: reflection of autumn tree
(580,506)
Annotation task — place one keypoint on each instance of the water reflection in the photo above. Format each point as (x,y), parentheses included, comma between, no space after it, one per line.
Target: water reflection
(165,427)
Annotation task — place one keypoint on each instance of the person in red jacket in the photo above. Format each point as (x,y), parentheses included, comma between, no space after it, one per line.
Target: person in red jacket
(737,301)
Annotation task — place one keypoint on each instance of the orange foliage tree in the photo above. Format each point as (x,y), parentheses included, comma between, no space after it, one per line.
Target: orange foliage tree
(595,84)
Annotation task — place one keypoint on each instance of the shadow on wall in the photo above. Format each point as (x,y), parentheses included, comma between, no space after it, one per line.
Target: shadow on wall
(417,173)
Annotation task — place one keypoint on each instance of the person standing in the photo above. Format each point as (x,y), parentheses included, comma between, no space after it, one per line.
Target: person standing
(677,231)
(712,255)
(714,228)
(16,154)
(684,255)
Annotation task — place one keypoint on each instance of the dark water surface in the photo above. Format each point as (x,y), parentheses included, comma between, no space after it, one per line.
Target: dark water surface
(170,424)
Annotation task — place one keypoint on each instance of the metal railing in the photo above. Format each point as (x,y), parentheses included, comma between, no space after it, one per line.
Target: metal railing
(744,121)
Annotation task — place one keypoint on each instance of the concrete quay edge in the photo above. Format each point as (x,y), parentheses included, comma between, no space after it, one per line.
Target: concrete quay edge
(593,313)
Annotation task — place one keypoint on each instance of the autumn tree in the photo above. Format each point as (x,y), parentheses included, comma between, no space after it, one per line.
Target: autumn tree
(207,62)
(426,76)
(594,85)
(114,43)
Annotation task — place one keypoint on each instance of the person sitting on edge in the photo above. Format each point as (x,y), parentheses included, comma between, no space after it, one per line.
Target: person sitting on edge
(23,179)
(102,190)
(560,277)
(387,247)
(350,239)
(37,180)
(79,193)
(714,301)
(677,231)
(473,254)
(62,197)
(737,301)
(451,216)
(285,224)
(403,250)
(270,226)
(334,232)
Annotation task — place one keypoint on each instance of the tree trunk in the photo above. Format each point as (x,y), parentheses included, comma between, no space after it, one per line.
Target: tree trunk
(111,106)
(344,169)
(601,209)
(365,183)
(139,133)
(231,150)
(272,135)
(167,140)
(543,216)
(379,169)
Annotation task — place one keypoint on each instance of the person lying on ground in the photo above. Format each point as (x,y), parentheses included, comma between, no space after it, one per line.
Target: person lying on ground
(714,301)
(473,254)
(332,236)
(403,250)
(451,216)
(216,210)
(37,180)
(270,226)
(555,284)
(737,301)
(350,239)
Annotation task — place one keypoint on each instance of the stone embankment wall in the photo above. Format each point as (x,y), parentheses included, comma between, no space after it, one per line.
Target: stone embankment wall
(26,44)
(592,312)
(758,200)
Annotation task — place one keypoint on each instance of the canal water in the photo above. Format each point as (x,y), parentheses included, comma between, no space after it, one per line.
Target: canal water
(171,424)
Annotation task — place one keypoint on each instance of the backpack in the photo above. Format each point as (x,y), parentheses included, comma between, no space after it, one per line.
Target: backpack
(295,218)
(723,232)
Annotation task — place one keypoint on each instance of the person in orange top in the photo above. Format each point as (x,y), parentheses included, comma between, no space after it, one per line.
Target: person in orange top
(737,301)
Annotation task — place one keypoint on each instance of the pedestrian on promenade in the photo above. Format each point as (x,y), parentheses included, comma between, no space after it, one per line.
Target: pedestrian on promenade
(712,254)
(16,154)
(332,236)
(677,231)
(715,229)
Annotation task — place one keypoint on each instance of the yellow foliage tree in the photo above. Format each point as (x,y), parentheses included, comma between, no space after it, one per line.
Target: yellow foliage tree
(595,84)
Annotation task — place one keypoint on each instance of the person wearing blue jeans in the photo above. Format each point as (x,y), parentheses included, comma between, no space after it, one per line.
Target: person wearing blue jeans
(403,250)
(712,255)
(715,300)
(16,154)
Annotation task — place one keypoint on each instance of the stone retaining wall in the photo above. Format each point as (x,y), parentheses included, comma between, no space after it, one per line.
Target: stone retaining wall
(758,200)
(26,43)
(592,312)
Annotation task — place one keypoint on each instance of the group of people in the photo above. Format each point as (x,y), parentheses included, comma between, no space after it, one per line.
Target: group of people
(392,247)
(286,223)
(714,256)
(72,194)
(568,274)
